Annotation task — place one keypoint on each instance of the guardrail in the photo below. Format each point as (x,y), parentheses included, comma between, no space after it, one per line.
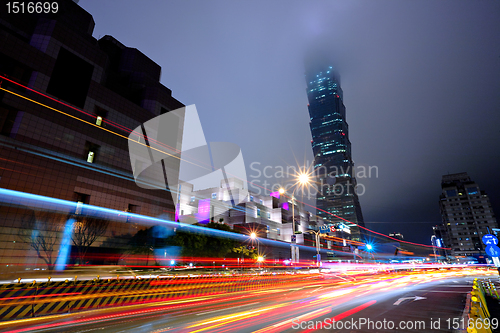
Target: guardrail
(479,318)
(25,300)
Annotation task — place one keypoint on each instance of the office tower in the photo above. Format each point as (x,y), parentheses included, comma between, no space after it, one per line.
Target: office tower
(466,214)
(332,149)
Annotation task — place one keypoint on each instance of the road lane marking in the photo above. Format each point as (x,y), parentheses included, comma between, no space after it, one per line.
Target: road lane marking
(414,298)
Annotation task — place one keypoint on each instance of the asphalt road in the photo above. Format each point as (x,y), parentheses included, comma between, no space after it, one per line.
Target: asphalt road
(421,302)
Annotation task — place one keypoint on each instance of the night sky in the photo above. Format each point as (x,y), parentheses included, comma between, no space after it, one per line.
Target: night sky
(421,82)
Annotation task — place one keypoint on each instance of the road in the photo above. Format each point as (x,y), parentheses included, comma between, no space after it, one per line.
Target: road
(419,301)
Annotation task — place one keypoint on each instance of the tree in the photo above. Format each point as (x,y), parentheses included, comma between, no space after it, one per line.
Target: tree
(218,246)
(202,244)
(42,232)
(86,230)
(243,251)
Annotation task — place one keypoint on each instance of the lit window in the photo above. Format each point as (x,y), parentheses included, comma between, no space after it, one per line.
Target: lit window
(258,211)
(261,202)
(214,195)
(91,152)
(90,157)
(100,114)
(251,198)
(79,206)
(193,199)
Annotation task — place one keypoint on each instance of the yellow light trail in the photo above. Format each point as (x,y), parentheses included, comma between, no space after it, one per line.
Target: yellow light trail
(223,320)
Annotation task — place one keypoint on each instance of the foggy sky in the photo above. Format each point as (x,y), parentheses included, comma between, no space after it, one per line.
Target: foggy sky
(421,82)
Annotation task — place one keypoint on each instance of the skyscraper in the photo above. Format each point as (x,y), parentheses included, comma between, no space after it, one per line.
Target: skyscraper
(466,214)
(332,149)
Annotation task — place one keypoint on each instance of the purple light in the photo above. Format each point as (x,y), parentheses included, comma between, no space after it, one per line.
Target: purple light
(203,215)
(176,218)
(275,194)
(285,206)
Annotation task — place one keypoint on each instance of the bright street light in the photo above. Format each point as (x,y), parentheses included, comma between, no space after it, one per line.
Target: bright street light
(304,178)
(369,247)
(253,235)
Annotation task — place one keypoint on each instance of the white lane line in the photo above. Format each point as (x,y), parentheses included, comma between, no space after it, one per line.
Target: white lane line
(414,298)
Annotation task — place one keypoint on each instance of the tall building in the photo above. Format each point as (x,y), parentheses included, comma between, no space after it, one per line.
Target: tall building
(67,105)
(332,149)
(466,214)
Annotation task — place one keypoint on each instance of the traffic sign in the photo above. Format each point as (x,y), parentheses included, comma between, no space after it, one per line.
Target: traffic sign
(294,238)
(493,250)
(490,239)
(324,229)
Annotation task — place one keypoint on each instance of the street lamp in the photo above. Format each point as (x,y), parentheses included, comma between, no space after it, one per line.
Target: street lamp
(253,235)
(303,179)
(369,249)
(318,245)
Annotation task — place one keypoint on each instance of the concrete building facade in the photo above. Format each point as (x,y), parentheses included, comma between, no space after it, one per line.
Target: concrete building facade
(67,105)
(467,215)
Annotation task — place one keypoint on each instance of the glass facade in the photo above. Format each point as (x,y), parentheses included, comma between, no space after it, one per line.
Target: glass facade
(332,149)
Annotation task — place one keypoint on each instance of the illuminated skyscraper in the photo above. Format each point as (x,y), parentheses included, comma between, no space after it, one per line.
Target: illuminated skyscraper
(332,149)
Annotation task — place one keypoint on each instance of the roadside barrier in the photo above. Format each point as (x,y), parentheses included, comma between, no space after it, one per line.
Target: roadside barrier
(479,315)
(25,300)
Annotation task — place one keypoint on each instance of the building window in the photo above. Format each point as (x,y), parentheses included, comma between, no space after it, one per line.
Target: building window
(193,199)
(251,198)
(90,157)
(472,190)
(91,151)
(268,215)
(451,193)
(278,231)
(100,115)
(258,211)
(261,202)
(214,195)
(135,209)
(81,199)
